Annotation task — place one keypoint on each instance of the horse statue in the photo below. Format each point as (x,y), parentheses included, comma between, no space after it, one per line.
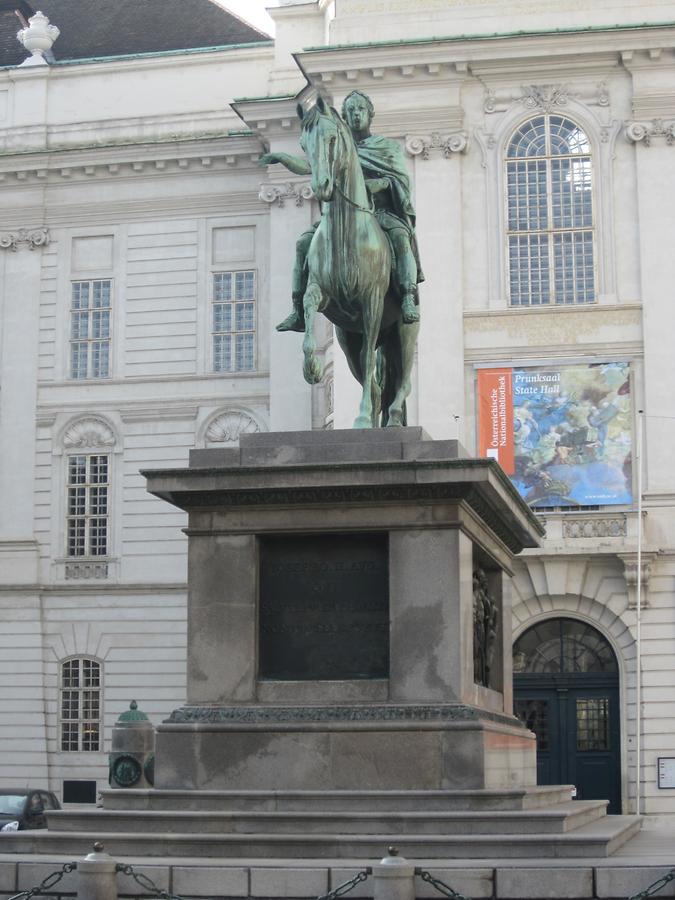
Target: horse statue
(349,277)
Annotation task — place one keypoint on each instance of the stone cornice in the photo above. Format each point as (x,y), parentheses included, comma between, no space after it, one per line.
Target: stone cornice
(94,211)
(274,116)
(131,160)
(180,59)
(30,238)
(454,58)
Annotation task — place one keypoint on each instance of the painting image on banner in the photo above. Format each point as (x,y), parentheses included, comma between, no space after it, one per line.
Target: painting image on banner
(571,431)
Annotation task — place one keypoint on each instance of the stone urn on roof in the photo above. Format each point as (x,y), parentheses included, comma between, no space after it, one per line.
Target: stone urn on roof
(38,38)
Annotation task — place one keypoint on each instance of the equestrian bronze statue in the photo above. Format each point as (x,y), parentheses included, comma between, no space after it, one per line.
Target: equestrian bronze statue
(359,265)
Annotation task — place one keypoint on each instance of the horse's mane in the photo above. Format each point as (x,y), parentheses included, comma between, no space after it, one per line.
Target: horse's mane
(312,116)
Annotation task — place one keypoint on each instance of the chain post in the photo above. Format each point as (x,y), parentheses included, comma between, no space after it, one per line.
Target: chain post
(394,878)
(97,876)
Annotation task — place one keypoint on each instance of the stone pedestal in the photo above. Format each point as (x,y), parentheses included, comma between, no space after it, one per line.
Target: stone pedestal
(338,588)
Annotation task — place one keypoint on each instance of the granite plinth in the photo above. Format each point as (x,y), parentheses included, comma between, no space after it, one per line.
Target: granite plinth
(331,616)
(345,748)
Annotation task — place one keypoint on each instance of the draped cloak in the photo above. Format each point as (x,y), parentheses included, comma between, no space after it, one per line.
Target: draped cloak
(383,157)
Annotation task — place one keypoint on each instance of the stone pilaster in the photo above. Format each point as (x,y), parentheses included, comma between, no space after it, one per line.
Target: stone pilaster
(19,306)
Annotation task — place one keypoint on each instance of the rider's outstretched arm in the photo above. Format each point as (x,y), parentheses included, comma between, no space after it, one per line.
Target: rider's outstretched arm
(293,163)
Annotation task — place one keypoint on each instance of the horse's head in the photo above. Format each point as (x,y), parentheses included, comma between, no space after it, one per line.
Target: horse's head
(320,139)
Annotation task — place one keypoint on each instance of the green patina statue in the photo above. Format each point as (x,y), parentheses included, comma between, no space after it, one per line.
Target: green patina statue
(359,264)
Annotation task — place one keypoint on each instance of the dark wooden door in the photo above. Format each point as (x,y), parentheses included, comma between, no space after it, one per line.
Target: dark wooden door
(572,705)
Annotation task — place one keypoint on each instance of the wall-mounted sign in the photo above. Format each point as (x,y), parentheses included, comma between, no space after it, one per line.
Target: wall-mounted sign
(666,772)
(563,433)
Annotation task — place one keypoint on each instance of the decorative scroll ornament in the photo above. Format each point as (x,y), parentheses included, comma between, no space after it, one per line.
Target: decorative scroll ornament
(630,574)
(24,237)
(446,145)
(645,132)
(228,427)
(279,193)
(87,434)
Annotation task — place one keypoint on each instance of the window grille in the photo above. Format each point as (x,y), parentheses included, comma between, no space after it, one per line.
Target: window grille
(550,226)
(90,309)
(87,504)
(234,321)
(80,705)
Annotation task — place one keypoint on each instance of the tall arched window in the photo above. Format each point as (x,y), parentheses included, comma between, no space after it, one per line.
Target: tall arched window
(550,227)
(81,704)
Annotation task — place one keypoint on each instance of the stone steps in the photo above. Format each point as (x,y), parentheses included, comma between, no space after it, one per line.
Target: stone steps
(598,838)
(489,800)
(559,819)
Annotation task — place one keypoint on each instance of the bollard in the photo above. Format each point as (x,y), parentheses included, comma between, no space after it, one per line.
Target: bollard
(97,876)
(394,878)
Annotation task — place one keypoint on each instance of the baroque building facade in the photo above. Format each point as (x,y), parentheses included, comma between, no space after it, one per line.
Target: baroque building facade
(145,258)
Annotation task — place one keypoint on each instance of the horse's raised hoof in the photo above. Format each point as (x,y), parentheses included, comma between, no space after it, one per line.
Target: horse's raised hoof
(294,322)
(312,371)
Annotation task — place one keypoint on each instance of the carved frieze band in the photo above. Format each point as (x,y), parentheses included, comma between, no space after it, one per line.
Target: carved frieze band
(353,714)
(24,237)
(437,143)
(279,193)
(645,132)
(614,526)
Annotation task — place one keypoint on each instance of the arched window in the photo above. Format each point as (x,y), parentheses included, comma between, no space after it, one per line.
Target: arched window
(81,705)
(562,645)
(88,443)
(550,227)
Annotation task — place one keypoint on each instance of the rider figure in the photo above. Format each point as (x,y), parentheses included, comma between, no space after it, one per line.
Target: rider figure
(388,184)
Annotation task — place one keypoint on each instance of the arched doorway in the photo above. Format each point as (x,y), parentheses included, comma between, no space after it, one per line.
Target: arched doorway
(566,690)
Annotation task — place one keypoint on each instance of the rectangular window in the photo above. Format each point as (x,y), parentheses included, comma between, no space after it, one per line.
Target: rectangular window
(80,705)
(87,505)
(90,309)
(234,321)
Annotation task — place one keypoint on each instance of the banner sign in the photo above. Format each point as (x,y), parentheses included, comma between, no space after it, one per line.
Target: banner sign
(563,433)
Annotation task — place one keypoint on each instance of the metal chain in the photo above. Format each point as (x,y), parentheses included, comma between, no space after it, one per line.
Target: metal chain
(49,881)
(656,886)
(440,886)
(347,886)
(146,882)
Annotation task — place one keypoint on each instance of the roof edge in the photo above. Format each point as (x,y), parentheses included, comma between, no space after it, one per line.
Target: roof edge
(490,36)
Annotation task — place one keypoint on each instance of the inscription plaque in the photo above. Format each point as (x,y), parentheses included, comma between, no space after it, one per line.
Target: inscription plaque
(324,607)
